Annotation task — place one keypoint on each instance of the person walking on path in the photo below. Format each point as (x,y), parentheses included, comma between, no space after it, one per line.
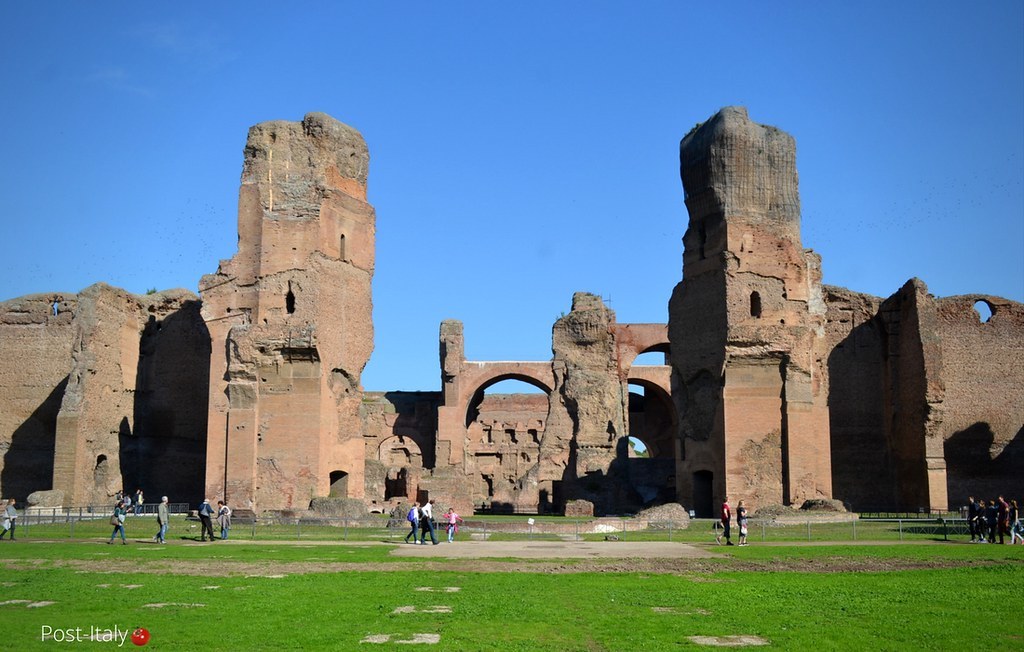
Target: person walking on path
(453,523)
(1016,528)
(741,520)
(992,520)
(414,521)
(206,518)
(1003,517)
(427,523)
(9,519)
(726,519)
(138,501)
(162,518)
(223,518)
(972,521)
(117,520)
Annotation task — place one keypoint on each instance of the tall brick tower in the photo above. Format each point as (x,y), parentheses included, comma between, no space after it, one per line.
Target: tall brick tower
(290,320)
(746,324)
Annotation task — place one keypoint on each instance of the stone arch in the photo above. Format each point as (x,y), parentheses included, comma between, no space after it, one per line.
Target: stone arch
(633,340)
(478,394)
(400,451)
(339,483)
(653,421)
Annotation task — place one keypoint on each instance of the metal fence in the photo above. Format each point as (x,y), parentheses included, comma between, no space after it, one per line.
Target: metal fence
(85,523)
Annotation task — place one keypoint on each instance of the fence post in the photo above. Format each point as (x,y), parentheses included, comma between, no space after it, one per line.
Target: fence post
(854,529)
(808,529)
(298,528)
(901,528)
(945,530)
(254,529)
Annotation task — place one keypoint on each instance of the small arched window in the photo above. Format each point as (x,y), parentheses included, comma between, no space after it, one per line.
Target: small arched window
(984,310)
(755,305)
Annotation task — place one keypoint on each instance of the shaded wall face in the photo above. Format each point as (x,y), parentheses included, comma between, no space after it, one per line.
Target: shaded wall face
(35,358)
(857,400)
(983,426)
(170,416)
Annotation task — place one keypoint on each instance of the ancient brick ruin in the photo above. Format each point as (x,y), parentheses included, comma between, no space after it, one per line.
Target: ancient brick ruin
(774,388)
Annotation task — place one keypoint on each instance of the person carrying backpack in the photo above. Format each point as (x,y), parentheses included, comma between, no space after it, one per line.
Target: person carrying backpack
(414,521)
(427,523)
(206,518)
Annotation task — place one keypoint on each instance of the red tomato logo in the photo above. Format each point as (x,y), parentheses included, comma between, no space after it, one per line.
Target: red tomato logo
(140,636)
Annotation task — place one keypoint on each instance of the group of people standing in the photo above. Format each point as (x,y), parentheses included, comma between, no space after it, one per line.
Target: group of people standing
(997,518)
(725,523)
(206,515)
(124,507)
(421,519)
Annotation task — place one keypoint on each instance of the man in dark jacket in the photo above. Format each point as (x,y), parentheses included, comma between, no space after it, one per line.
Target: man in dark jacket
(972,520)
(206,518)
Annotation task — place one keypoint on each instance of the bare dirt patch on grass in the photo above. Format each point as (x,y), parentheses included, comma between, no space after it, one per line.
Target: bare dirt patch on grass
(697,569)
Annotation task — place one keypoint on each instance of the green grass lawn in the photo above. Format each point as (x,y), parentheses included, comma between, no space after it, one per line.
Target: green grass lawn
(91,584)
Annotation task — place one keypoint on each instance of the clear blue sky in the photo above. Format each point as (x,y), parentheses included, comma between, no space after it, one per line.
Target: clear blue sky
(519,151)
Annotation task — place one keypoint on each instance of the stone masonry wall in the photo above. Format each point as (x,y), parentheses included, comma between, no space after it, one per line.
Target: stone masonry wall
(104,418)
(746,324)
(290,320)
(863,471)
(982,431)
(35,359)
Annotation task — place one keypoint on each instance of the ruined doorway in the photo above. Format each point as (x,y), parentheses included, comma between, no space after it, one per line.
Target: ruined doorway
(339,484)
(703,494)
(650,464)
(396,485)
(505,423)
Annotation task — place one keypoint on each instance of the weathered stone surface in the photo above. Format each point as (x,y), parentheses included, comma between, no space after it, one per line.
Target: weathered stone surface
(746,324)
(579,508)
(776,390)
(46,498)
(290,320)
(36,338)
(823,505)
(337,507)
(127,419)
(673,513)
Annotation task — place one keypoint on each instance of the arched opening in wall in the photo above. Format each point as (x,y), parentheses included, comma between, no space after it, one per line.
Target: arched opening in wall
(703,494)
(399,454)
(339,484)
(649,451)
(342,252)
(508,406)
(984,310)
(289,299)
(755,305)
(637,448)
(100,472)
(505,423)
(651,358)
